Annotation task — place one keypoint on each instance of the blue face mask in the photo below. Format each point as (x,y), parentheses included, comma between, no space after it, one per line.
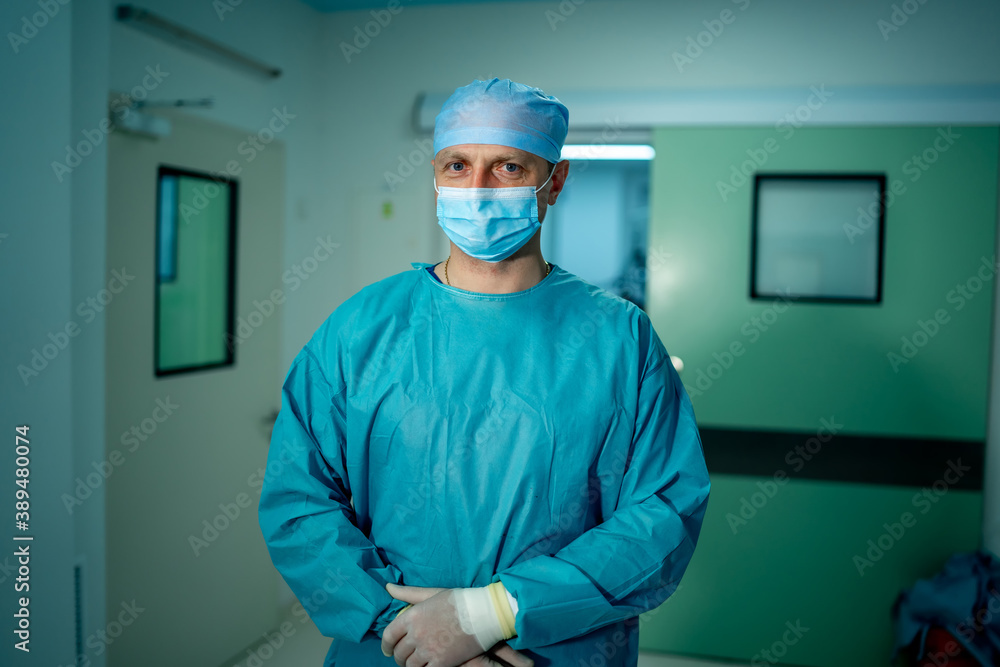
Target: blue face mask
(490,224)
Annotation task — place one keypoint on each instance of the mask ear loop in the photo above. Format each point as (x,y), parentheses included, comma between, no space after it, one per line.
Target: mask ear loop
(547,179)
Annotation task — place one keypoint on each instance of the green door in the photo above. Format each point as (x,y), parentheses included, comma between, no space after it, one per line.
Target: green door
(785,569)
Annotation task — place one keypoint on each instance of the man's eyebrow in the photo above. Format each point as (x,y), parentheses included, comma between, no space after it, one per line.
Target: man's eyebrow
(504,157)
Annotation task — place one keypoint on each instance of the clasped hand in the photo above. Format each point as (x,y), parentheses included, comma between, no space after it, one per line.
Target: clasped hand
(430,634)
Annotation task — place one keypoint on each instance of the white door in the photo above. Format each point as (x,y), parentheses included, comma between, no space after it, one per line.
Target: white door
(189,580)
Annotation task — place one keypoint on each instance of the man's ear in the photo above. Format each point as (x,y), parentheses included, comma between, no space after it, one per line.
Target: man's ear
(558,181)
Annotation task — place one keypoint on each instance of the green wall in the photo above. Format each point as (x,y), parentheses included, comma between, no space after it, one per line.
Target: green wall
(793,556)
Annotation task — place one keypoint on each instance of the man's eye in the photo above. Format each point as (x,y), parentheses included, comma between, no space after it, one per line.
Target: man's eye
(515,169)
(459,166)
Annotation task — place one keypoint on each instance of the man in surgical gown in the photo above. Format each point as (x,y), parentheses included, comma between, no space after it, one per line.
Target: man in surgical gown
(489,423)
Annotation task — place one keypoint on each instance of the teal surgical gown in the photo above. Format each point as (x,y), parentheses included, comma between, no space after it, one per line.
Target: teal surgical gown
(432,436)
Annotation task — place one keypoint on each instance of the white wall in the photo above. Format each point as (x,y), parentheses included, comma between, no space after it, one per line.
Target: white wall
(36,300)
(88,185)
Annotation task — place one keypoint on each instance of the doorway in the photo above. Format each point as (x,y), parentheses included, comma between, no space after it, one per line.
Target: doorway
(186,564)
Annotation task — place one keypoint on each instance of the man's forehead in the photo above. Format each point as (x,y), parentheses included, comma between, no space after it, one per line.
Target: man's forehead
(490,151)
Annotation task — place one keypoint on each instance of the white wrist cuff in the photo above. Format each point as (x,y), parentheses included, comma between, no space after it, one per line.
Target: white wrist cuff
(512,601)
(477,616)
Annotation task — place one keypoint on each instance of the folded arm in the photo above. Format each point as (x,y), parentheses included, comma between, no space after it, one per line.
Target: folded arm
(633,561)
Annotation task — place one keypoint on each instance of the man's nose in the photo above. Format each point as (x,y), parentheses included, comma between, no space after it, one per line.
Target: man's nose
(480,178)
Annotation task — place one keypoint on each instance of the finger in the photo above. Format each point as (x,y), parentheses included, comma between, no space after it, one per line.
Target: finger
(404,654)
(412,594)
(488,659)
(506,653)
(391,636)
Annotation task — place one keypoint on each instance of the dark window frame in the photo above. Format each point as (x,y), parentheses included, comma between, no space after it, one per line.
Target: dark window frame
(878,177)
(232,186)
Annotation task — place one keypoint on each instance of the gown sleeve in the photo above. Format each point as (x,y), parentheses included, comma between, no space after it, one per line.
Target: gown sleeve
(307,518)
(633,561)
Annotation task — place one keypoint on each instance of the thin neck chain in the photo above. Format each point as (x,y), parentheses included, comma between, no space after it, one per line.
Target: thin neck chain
(548,269)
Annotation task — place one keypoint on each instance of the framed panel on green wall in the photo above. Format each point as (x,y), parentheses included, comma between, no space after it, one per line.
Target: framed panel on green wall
(799,249)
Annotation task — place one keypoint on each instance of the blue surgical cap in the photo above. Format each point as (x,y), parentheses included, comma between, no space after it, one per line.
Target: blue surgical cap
(505,113)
